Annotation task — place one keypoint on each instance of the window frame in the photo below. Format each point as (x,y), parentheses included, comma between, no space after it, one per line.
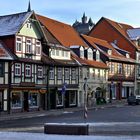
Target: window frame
(17,44)
(119,68)
(40,71)
(2,67)
(17,68)
(38,47)
(67,76)
(51,73)
(73,73)
(28,69)
(59,73)
(28,46)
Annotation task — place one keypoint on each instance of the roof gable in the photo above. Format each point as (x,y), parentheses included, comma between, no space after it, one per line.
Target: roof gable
(10,24)
(121,28)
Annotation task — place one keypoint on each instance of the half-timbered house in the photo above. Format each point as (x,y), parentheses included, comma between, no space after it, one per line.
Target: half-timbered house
(24,37)
(121,76)
(66,36)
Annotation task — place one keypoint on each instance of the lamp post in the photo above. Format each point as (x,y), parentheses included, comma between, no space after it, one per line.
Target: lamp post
(85,98)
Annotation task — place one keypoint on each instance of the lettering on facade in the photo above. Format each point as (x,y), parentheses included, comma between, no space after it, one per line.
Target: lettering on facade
(27,84)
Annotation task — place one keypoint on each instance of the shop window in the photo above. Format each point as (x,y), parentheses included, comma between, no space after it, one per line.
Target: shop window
(59,99)
(72,98)
(1,69)
(33,99)
(16,100)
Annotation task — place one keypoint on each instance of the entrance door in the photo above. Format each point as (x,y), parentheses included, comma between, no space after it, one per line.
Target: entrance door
(26,103)
(127,92)
(1,101)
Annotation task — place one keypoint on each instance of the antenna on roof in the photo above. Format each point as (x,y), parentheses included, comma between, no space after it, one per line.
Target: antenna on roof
(29,7)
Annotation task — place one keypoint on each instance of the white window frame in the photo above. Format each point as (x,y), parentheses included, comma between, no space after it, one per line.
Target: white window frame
(67,73)
(97,55)
(17,69)
(59,73)
(119,68)
(53,52)
(63,53)
(73,73)
(38,47)
(90,55)
(28,70)
(28,46)
(40,72)
(57,52)
(18,44)
(51,74)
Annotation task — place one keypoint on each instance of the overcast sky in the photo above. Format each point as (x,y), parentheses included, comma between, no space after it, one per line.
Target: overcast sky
(124,11)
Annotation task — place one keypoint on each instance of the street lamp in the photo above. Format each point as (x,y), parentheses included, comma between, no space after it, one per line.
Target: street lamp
(85,98)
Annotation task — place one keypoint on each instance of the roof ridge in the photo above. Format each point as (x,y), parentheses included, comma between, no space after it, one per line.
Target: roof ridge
(53,20)
(117,22)
(15,14)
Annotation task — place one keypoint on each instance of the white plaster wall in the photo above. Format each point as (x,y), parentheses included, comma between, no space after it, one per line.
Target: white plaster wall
(92,82)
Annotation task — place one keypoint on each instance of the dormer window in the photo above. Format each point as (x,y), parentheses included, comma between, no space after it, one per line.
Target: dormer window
(110,52)
(97,55)
(90,54)
(127,55)
(81,52)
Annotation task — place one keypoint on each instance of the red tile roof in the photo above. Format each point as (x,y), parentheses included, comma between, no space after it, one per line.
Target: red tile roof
(91,63)
(121,28)
(115,54)
(64,33)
